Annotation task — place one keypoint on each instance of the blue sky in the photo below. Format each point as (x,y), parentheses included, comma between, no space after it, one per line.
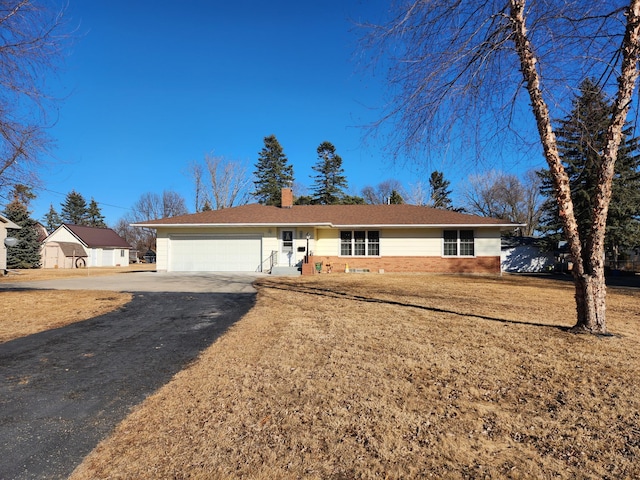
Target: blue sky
(151,86)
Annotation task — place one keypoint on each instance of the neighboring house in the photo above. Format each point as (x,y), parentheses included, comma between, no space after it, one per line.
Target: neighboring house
(42,232)
(75,246)
(526,255)
(5,223)
(390,238)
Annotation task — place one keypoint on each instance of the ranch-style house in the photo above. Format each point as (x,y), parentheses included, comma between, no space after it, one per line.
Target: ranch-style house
(329,238)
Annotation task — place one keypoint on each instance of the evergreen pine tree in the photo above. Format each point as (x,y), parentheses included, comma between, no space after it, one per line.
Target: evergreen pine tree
(623,221)
(439,191)
(330,182)
(52,220)
(26,254)
(395,198)
(352,200)
(303,200)
(273,173)
(94,215)
(74,209)
(581,138)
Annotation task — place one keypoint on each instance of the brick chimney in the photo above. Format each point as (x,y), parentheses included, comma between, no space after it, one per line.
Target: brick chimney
(286,198)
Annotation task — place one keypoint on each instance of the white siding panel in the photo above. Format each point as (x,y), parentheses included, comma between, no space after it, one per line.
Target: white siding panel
(327,242)
(487,242)
(121,260)
(413,243)
(162,252)
(61,235)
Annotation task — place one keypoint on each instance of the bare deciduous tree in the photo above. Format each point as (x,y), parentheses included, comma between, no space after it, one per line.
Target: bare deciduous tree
(196,172)
(533,202)
(149,206)
(31,38)
(456,62)
(418,193)
(220,183)
(139,238)
(496,194)
(229,182)
(381,193)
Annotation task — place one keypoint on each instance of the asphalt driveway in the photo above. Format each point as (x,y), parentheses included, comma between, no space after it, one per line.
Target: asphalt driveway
(64,390)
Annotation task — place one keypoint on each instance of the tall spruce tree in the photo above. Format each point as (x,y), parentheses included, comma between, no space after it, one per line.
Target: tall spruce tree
(330,181)
(26,254)
(439,188)
(582,136)
(52,219)
(74,209)
(273,173)
(94,215)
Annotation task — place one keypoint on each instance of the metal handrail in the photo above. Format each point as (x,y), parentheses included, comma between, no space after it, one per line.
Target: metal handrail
(272,259)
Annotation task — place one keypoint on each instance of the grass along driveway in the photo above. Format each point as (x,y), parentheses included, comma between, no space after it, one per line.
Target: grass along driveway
(396,376)
(25,312)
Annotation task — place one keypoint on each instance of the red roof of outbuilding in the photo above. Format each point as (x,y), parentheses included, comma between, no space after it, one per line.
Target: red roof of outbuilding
(94,237)
(329,215)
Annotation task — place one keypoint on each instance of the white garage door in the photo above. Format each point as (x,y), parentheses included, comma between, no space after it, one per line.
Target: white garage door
(214,253)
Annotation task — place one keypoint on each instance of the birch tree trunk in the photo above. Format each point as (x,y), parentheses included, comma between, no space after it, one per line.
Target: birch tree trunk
(588,255)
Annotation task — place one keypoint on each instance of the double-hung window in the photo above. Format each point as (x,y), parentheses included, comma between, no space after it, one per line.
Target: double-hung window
(359,243)
(458,243)
(346,243)
(373,243)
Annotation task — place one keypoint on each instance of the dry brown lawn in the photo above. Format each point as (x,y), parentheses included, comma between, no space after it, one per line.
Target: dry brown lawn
(396,376)
(25,312)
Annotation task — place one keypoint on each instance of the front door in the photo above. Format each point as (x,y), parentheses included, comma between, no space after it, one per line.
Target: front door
(286,248)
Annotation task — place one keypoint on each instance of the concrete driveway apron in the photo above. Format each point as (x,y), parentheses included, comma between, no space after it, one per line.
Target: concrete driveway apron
(64,390)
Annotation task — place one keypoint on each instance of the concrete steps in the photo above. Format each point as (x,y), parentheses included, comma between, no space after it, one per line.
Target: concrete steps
(286,271)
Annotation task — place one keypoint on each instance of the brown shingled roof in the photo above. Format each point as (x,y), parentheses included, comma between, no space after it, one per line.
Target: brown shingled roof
(330,215)
(94,237)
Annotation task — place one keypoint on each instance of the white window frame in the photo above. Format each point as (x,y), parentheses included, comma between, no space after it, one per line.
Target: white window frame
(460,242)
(367,243)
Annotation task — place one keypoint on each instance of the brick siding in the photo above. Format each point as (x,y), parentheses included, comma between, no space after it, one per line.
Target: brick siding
(477,265)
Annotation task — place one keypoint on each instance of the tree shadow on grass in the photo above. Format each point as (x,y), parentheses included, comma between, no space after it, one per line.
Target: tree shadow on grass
(331,293)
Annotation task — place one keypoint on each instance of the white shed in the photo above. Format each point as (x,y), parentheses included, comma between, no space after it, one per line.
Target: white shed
(75,246)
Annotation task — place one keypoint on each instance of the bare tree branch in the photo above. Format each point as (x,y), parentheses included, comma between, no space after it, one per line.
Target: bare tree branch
(31,40)
(466,73)
(228,180)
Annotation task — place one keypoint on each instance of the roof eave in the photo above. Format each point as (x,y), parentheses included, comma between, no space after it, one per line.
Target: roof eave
(431,225)
(502,226)
(242,225)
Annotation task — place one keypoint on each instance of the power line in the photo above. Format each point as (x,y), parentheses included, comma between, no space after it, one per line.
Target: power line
(99,203)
